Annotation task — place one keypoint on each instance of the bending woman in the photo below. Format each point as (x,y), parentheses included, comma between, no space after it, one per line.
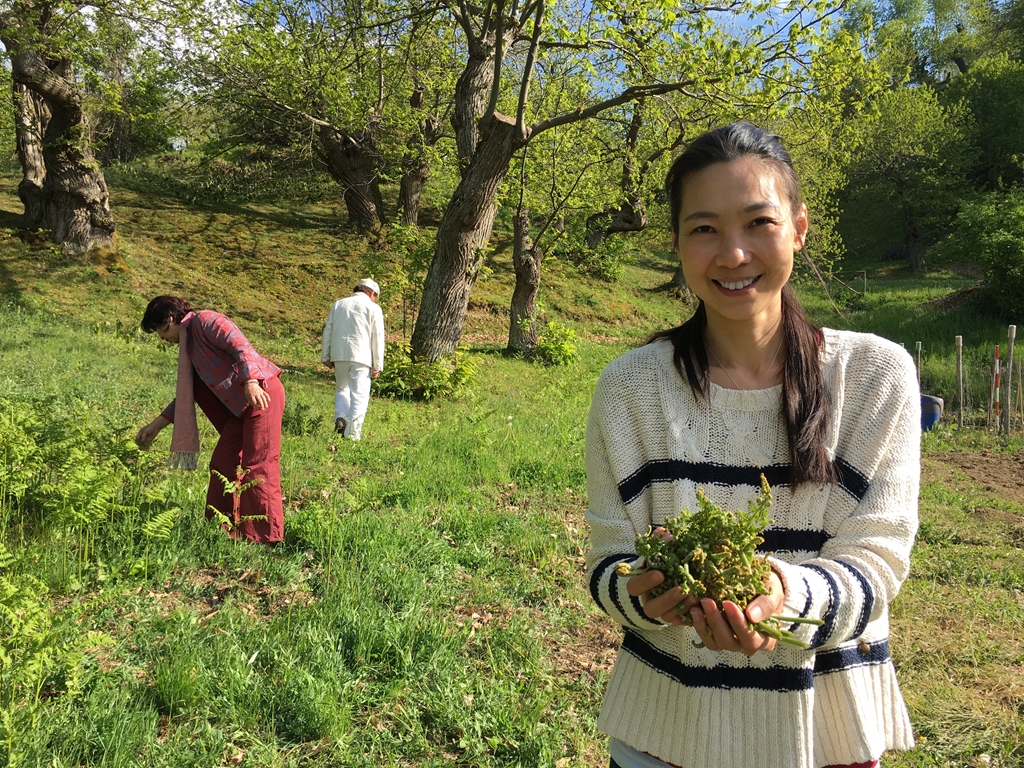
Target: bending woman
(241,394)
(749,386)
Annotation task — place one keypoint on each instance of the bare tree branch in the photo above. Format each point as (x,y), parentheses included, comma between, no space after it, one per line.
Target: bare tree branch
(631,93)
(531,59)
(499,59)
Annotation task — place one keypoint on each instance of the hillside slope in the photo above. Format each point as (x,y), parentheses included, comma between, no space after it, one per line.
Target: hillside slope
(275,269)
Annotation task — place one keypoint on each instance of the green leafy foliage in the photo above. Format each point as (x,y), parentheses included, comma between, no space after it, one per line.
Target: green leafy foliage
(990,232)
(36,654)
(404,377)
(605,262)
(993,90)
(556,345)
(301,419)
(234,487)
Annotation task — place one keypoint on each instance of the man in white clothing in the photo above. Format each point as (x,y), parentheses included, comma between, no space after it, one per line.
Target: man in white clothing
(353,345)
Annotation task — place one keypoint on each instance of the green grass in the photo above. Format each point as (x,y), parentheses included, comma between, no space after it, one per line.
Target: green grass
(427,606)
(408,616)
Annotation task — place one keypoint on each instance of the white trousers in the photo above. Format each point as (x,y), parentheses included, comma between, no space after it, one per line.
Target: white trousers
(351,395)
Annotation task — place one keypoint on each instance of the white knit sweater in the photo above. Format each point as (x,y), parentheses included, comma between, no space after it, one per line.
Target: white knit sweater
(843,551)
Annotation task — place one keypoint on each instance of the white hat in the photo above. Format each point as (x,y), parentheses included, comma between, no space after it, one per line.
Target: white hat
(367,282)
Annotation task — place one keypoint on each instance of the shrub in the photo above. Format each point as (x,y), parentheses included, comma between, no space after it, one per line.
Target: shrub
(990,232)
(300,419)
(556,345)
(604,262)
(418,380)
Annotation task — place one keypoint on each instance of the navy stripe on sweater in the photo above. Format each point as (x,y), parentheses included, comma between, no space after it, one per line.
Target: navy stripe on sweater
(869,597)
(701,473)
(839,659)
(780,679)
(598,572)
(831,610)
(613,588)
(851,479)
(793,540)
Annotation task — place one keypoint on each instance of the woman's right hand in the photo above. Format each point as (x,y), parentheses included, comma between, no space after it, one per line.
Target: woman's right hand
(149,432)
(664,607)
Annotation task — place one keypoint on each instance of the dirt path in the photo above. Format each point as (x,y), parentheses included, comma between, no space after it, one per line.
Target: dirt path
(998,473)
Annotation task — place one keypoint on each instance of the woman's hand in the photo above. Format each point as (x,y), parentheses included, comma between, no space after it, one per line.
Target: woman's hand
(664,607)
(256,396)
(728,629)
(148,433)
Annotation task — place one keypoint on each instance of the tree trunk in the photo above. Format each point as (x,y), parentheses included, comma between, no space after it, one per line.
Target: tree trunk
(457,256)
(415,167)
(628,217)
(473,89)
(677,287)
(471,92)
(31,116)
(414,175)
(352,162)
(915,243)
(527,258)
(71,198)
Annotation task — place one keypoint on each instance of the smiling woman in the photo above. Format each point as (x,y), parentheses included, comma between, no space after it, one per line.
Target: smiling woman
(748,388)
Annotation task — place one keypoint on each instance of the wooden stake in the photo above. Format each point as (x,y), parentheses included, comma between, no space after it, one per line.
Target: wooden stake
(998,388)
(1011,336)
(1020,393)
(919,364)
(991,391)
(960,379)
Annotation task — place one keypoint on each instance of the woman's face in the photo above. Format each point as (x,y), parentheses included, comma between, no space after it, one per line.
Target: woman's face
(736,237)
(170,332)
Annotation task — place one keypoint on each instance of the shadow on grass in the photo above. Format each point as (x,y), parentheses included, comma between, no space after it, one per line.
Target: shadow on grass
(160,193)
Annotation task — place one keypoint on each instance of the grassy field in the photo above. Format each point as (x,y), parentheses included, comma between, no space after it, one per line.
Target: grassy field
(427,607)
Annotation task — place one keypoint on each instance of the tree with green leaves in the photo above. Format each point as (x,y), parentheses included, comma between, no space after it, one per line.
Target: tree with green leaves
(363,86)
(915,149)
(687,50)
(62,188)
(993,91)
(131,90)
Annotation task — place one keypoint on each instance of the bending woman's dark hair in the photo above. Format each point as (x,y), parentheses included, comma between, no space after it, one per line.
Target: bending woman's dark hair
(163,309)
(804,398)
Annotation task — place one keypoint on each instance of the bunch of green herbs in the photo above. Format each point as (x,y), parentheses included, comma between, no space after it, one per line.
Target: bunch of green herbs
(713,553)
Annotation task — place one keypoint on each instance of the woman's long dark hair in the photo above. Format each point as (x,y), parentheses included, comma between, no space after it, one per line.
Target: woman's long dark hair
(804,398)
(163,309)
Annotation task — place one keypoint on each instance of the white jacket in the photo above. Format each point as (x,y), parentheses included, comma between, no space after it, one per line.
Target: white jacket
(354,332)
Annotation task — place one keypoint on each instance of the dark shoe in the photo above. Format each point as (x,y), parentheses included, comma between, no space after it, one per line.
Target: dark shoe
(340,425)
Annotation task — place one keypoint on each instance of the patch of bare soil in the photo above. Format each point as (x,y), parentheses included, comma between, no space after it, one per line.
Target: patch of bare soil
(998,473)
(955,299)
(586,651)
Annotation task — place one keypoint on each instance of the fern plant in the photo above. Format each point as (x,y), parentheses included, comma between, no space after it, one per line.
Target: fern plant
(158,527)
(235,488)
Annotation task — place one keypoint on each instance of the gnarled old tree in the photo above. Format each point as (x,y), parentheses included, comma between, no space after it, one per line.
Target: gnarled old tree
(359,78)
(514,38)
(526,260)
(62,187)
(913,149)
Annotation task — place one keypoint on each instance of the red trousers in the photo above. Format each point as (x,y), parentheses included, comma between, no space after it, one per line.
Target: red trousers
(252,441)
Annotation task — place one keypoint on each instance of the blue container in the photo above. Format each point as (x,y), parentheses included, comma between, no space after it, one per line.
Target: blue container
(931,411)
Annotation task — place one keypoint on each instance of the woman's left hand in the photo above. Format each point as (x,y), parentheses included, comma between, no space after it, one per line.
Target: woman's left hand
(728,629)
(256,396)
